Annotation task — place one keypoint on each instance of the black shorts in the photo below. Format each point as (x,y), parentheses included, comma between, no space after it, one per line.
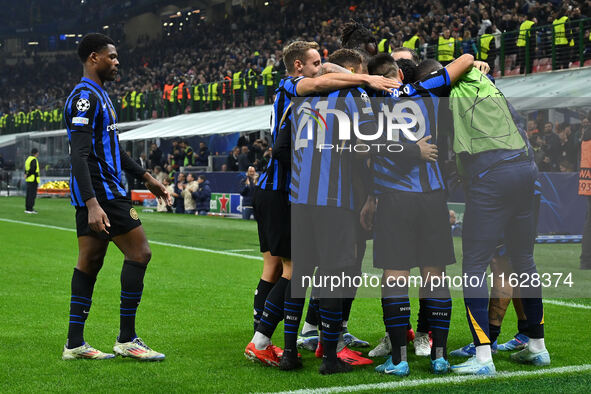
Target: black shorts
(412,230)
(271,211)
(324,237)
(122,217)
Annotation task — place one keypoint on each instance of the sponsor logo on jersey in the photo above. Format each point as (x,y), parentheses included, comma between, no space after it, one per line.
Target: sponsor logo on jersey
(79,120)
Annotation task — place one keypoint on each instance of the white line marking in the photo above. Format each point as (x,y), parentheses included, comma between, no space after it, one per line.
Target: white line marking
(569,304)
(38,225)
(446,380)
(231,253)
(245,256)
(240,250)
(225,253)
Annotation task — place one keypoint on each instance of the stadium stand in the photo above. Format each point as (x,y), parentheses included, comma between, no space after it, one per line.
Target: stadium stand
(169,75)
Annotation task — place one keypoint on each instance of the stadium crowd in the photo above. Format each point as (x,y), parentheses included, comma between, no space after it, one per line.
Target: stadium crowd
(170,75)
(175,168)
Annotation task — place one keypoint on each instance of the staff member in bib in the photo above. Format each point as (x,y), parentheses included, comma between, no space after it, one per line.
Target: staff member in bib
(32,180)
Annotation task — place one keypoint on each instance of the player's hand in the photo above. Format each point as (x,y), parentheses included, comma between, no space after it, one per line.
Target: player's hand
(157,189)
(483,67)
(428,151)
(379,82)
(367,213)
(98,221)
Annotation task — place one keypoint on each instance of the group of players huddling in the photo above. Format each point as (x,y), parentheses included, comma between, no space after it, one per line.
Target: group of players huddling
(335,199)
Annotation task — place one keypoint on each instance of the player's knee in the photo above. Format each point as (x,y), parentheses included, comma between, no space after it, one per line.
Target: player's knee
(90,263)
(141,255)
(146,255)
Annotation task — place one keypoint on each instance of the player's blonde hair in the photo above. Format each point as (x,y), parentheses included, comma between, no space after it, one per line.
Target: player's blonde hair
(297,50)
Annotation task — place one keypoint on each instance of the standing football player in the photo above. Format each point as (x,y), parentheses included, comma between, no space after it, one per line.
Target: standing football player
(103,208)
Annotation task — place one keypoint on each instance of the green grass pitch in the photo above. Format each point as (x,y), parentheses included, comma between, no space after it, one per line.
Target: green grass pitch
(197,308)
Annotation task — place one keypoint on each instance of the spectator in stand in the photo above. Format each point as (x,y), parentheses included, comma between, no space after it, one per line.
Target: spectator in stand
(142,161)
(202,158)
(1,162)
(162,206)
(567,149)
(248,188)
(155,156)
(232,160)
(202,196)
(551,144)
(243,140)
(174,146)
(539,154)
(224,168)
(244,159)
(177,158)
(187,193)
(468,44)
(532,128)
(171,173)
(179,201)
(188,156)
(256,154)
(159,174)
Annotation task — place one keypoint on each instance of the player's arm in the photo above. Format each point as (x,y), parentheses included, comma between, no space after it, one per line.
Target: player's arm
(130,166)
(459,67)
(281,150)
(81,127)
(343,80)
(410,151)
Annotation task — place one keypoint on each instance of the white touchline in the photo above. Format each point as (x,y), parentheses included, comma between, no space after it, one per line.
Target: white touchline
(563,303)
(448,380)
(38,225)
(207,250)
(231,253)
(225,253)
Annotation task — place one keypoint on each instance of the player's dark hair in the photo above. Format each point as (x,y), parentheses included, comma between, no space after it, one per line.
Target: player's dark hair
(355,36)
(201,177)
(426,67)
(346,58)
(34,151)
(92,42)
(409,69)
(383,64)
(415,55)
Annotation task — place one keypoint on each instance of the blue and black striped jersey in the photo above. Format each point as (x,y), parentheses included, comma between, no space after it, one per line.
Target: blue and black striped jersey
(322,161)
(421,100)
(89,109)
(277,176)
